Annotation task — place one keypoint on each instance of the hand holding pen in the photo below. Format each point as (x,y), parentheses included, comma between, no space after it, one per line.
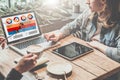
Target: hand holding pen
(2,42)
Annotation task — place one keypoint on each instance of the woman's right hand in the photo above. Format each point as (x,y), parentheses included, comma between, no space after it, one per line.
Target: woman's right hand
(53,36)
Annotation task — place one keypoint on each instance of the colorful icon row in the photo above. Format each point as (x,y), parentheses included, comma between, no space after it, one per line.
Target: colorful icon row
(17,19)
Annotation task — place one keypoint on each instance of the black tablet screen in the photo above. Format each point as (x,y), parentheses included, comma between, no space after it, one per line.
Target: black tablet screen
(72,50)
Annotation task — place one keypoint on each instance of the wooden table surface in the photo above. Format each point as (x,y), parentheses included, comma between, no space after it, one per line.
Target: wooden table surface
(93,66)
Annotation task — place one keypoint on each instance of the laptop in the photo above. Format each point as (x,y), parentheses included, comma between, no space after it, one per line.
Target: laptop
(21,30)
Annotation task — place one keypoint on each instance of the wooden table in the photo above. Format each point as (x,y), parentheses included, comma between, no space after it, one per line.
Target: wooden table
(93,66)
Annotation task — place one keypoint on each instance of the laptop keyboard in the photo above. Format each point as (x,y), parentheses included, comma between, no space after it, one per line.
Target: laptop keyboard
(30,42)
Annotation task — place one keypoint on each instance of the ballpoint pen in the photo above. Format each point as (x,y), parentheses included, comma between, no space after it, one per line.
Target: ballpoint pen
(2,41)
(2,45)
(65,76)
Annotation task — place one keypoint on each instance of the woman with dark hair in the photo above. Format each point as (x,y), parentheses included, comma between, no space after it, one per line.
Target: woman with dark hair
(99,25)
(114,7)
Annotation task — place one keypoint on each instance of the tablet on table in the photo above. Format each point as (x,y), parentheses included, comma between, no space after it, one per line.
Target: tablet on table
(72,51)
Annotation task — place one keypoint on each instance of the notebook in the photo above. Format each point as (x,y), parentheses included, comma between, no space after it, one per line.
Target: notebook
(21,30)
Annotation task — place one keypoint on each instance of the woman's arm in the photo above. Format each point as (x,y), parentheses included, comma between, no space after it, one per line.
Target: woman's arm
(112,52)
(14,75)
(76,24)
(101,47)
(25,64)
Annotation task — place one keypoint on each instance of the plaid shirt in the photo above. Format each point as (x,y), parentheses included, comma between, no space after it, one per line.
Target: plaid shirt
(85,26)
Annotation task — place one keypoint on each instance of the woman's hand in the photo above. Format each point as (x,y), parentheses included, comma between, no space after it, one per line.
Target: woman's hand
(98,45)
(53,36)
(2,42)
(26,63)
(96,38)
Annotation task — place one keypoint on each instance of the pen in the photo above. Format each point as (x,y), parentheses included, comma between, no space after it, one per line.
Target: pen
(2,41)
(65,77)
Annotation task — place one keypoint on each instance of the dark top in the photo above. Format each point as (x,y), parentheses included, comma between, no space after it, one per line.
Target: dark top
(14,75)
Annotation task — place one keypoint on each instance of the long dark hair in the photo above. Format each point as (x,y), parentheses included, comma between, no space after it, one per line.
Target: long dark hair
(114,7)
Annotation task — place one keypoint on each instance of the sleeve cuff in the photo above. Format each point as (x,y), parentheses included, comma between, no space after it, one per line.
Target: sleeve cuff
(14,75)
(108,52)
(64,32)
(112,53)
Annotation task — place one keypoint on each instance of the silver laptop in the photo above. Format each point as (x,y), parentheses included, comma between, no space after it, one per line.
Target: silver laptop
(21,30)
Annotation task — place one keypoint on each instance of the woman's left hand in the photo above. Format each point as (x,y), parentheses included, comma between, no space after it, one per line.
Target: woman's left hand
(98,45)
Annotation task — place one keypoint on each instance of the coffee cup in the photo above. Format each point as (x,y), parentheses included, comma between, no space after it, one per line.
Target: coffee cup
(35,49)
(76,8)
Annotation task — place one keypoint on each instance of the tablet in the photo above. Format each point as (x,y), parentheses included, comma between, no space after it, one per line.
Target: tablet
(72,51)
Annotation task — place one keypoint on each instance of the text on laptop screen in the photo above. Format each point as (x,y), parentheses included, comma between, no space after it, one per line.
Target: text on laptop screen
(20,26)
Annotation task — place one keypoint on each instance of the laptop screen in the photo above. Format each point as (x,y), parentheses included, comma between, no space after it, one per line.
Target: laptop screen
(20,26)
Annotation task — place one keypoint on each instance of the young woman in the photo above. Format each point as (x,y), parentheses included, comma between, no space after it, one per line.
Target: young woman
(100,26)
